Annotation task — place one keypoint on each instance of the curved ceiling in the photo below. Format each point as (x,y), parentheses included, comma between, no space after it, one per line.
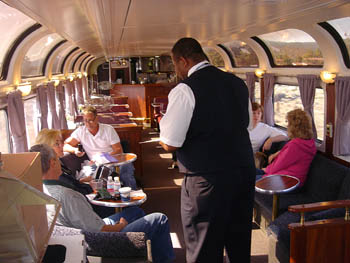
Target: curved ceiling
(113,28)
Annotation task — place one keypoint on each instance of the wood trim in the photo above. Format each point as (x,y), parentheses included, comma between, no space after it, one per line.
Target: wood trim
(330,117)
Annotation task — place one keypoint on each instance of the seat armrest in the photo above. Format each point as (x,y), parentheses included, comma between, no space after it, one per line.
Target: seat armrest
(318,206)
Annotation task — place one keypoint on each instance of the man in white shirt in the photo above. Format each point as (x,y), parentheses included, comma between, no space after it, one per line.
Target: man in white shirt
(206,124)
(263,135)
(98,138)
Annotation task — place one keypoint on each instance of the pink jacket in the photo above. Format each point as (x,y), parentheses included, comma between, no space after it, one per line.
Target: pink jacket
(294,159)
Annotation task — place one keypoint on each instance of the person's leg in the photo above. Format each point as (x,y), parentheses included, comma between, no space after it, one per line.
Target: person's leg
(238,237)
(127,176)
(156,227)
(202,230)
(259,174)
(130,214)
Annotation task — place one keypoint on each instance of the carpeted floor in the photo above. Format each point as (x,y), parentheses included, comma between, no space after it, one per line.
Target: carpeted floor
(163,192)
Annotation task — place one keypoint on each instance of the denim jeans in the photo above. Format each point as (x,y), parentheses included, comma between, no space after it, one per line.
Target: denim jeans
(127,175)
(155,226)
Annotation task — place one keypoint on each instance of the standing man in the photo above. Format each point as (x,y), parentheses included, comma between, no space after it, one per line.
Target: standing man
(206,124)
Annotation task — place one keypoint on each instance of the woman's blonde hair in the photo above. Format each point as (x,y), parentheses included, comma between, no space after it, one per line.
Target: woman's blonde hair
(47,136)
(299,125)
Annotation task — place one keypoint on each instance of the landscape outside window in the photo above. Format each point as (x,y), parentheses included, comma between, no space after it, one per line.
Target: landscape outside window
(293,47)
(243,55)
(287,98)
(214,57)
(342,26)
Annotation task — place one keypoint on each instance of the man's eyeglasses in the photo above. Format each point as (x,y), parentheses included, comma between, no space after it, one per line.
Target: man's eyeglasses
(89,121)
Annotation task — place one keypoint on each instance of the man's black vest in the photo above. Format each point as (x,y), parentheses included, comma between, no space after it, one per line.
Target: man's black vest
(217,137)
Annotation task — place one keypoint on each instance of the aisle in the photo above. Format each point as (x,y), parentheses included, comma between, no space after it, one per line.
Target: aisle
(163,192)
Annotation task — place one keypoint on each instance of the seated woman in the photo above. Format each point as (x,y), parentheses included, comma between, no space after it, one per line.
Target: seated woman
(295,157)
(53,138)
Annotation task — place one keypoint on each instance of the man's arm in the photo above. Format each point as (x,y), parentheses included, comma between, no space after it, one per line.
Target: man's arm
(71,146)
(268,143)
(116,148)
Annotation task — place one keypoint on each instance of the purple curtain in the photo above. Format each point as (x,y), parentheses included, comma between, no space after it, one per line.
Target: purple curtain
(79,91)
(74,98)
(269,83)
(341,145)
(61,106)
(69,97)
(17,122)
(307,87)
(251,79)
(85,88)
(41,105)
(55,123)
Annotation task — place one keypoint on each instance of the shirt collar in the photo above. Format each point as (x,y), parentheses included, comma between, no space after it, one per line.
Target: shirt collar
(197,67)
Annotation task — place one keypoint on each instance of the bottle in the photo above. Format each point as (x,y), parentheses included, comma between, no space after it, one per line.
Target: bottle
(110,186)
(116,186)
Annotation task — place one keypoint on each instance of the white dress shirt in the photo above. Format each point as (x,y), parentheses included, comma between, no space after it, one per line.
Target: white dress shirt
(176,121)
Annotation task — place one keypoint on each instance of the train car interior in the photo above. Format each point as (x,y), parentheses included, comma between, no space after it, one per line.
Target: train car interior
(56,57)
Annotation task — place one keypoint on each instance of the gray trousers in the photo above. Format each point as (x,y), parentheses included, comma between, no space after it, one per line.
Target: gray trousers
(216,212)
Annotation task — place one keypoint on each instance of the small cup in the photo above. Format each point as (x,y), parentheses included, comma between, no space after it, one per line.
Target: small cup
(125,194)
(96,184)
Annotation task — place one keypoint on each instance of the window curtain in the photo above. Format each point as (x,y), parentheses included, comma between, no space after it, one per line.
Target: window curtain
(307,87)
(69,97)
(51,97)
(85,89)
(61,107)
(41,105)
(74,98)
(251,79)
(341,145)
(79,91)
(269,83)
(17,122)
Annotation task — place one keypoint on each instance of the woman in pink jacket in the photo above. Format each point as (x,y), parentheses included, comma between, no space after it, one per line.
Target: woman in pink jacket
(295,157)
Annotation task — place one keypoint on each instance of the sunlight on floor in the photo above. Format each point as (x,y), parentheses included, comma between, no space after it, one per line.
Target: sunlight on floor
(165,155)
(178,181)
(259,243)
(175,240)
(154,139)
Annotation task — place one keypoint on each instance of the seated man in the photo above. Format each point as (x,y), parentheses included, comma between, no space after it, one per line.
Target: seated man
(98,138)
(263,135)
(76,211)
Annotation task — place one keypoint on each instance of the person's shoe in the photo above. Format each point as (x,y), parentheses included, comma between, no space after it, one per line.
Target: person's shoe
(173,166)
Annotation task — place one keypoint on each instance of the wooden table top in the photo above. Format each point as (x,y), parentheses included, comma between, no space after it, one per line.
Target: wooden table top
(276,183)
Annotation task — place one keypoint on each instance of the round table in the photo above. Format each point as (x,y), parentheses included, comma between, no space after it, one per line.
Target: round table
(276,184)
(137,198)
(122,158)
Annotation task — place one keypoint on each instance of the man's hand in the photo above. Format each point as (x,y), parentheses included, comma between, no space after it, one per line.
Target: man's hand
(78,153)
(267,145)
(168,148)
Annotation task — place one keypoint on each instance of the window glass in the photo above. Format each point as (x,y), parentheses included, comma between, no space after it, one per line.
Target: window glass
(4,138)
(34,59)
(71,69)
(30,119)
(342,25)
(12,24)
(286,98)
(242,54)
(257,92)
(293,47)
(319,112)
(65,49)
(214,57)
